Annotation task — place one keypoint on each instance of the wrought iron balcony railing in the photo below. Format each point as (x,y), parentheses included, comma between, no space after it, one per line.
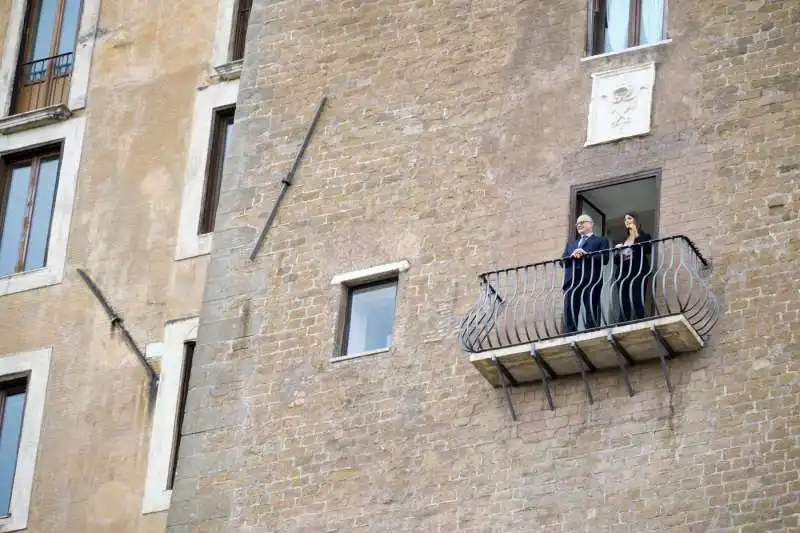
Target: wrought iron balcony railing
(532,303)
(43,83)
(609,309)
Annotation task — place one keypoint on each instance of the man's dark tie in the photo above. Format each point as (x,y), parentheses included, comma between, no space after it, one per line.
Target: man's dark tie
(582,241)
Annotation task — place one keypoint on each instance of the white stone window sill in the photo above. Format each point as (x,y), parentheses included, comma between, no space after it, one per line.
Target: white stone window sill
(195,248)
(626,51)
(32,279)
(229,71)
(34,119)
(359,354)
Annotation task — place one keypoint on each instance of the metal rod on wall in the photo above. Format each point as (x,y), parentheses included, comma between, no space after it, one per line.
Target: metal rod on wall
(116,323)
(287,181)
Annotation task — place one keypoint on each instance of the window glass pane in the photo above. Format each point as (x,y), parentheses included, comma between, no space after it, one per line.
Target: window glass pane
(42,214)
(221,142)
(69,26)
(651,25)
(616,31)
(45,26)
(188,357)
(13,220)
(371,318)
(9,445)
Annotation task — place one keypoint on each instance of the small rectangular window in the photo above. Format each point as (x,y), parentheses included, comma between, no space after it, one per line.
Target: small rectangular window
(221,132)
(188,355)
(12,406)
(370,317)
(240,21)
(27,193)
(619,24)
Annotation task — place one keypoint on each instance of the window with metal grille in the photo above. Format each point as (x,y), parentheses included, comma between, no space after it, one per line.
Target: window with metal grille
(221,132)
(47,54)
(370,317)
(12,405)
(28,186)
(240,21)
(188,355)
(615,25)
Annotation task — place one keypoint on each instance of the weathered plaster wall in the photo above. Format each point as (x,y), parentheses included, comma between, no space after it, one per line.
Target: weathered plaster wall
(149,59)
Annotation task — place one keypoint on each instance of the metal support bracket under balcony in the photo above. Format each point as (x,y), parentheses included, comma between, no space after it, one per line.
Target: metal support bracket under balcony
(625,360)
(505,375)
(670,352)
(547,375)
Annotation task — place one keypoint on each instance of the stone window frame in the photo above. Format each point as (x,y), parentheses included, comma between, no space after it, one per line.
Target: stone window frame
(208,101)
(70,135)
(591,34)
(353,280)
(35,365)
(163,434)
(79,83)
(225,67)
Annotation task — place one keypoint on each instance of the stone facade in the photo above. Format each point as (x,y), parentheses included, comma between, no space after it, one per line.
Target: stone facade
(453,133)
(93,448)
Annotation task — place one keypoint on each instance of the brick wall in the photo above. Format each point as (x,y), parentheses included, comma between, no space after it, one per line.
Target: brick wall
(454,132)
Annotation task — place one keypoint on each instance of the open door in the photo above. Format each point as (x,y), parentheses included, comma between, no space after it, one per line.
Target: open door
(585,207)
(607,202)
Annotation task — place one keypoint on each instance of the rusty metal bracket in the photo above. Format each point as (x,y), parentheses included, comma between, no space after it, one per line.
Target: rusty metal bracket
(670,352)
(287,181)
(118,324)
(624,359)
(503,374)
(547,375)
(584,364)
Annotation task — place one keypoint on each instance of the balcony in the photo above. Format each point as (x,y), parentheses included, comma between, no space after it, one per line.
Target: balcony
(621,307)
(41,93)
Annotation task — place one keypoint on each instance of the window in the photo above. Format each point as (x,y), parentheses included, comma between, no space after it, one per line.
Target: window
(12,400)
(240,21)
(209,142)
(619,24)
(28,191)
(176,353)
(220,143)
(47,54)
(23,384)
(188,354)
(370,316)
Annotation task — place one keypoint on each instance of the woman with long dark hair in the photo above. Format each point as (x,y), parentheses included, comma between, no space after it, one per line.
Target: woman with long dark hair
(632,265)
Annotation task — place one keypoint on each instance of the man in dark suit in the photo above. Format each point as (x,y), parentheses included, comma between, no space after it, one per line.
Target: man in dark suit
(583,263)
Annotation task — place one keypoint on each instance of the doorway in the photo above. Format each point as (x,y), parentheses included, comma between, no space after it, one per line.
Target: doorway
(607,202)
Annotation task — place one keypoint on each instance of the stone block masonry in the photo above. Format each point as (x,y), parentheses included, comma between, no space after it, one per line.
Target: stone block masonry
(453,133)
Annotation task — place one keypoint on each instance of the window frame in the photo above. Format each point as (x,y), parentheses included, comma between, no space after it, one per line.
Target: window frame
(207,100)
(223,117)
(14,385)
(34,367)
(165,433)
(346,282)
(51,76)
(597,31)
(371,285)
(81,65)
(14,160)
(189,347)
(70,135)
(239,27)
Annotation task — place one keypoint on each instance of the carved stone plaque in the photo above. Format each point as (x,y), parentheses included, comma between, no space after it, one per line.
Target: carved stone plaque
(621,104)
